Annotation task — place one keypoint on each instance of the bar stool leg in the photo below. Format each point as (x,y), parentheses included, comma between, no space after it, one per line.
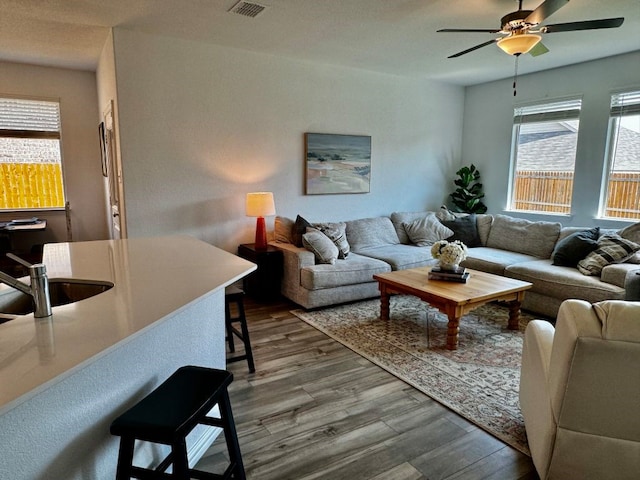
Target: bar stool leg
(228,326)
(231,436)
(245,336)
(125,458)
(180,461)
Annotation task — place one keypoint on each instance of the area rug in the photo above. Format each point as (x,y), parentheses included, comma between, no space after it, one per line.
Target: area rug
(479,380)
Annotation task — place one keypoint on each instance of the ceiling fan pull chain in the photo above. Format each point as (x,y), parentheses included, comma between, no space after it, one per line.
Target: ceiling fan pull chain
(515,75)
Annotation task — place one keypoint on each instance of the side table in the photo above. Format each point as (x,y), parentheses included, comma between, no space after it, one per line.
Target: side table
(264,283)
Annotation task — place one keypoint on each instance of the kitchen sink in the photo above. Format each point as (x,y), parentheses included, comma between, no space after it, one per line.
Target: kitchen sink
(61,292)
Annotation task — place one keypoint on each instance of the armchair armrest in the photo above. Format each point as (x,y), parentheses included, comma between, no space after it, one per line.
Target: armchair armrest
(535,397)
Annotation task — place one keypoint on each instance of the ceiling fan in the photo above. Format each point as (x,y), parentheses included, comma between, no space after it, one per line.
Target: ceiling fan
(521,29)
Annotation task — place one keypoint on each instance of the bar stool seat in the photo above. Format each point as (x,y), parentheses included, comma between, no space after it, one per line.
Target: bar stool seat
(168,414)
(234,295)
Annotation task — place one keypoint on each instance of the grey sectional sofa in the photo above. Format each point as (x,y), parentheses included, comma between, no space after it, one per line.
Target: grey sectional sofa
(506,246)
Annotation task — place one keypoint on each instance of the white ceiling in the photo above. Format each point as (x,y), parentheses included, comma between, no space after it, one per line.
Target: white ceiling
(391,36)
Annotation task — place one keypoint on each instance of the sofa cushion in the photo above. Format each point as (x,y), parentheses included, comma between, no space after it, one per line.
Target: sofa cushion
(562,282)
(426,231)
(371,232)
(299,229)
(354,269)
(484,222)
(611,249)
(493,260)
(523,236)
(337,232)
(464,229)
(570,250)
(283,228)
(322,246)
(400,256)
(400,218)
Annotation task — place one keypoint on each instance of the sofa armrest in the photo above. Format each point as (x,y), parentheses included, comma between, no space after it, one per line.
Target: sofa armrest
(624,275)
(535,397)
(294,259)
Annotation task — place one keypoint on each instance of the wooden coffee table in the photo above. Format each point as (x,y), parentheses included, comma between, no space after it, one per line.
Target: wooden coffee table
(453,299)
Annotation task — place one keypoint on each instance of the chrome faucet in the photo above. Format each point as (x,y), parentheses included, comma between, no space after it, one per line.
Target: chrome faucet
(39,288)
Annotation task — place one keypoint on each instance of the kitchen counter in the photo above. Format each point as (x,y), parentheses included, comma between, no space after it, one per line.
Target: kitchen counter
(166,309)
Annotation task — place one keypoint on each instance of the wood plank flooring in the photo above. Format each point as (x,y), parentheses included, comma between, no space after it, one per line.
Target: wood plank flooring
(316,410)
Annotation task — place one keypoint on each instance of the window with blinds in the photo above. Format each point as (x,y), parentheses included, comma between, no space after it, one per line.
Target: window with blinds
(620,196)
(30,155)
(543,155)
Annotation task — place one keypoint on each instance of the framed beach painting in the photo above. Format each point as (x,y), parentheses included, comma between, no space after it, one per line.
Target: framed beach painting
(337,163)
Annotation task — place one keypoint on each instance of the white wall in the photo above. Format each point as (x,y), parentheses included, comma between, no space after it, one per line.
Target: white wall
(81,149)
(202,125)
(488,121)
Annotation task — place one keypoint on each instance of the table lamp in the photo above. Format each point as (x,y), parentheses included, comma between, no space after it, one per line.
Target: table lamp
(260,204)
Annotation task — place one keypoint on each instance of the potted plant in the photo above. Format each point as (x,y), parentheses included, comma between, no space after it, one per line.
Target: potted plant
(466,198)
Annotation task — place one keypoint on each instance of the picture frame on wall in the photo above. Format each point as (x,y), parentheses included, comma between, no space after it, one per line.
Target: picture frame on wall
(103,149)
(337,164)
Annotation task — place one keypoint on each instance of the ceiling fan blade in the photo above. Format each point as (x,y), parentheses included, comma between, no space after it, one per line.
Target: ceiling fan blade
(538,49)
(586,25)
(544,10)
(473,48)
(468,30)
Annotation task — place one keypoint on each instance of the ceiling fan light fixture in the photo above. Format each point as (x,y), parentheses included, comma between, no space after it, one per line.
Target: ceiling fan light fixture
(519,44)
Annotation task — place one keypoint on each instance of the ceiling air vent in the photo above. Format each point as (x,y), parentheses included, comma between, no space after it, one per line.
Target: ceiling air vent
(248,9)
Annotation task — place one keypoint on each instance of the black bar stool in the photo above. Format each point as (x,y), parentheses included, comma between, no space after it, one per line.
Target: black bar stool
(168,414)
(234,295)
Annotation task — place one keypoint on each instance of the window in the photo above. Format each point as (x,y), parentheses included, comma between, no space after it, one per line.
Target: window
(30,155)
(543,156)
(621,192)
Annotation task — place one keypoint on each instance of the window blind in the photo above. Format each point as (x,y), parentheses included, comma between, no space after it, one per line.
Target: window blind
(548,112)
(29,118)
(627,103)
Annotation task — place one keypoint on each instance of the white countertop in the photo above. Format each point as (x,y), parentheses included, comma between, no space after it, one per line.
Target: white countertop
(152,278)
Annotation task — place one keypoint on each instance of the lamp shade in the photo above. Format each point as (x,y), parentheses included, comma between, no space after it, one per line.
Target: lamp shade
(519,44)
(260,204)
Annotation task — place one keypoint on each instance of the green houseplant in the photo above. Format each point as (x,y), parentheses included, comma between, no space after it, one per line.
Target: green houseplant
(467,197)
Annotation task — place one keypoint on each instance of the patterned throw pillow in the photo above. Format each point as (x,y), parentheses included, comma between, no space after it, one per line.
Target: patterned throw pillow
(611,249)
(427,231)
(632,232)
(337,233)
(322,247)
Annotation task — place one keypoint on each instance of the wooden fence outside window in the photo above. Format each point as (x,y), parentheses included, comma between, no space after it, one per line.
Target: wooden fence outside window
(542,191)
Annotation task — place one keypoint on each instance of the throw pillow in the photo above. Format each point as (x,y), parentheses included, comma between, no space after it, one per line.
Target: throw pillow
(337,233)
(298,230)
(426,231)
(465,229)
(632,232)
(322,247)
(445,214)
(283,228)
(570,250)
(611,249)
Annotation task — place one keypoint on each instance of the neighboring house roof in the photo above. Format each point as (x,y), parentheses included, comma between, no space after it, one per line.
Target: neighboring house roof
(558,150)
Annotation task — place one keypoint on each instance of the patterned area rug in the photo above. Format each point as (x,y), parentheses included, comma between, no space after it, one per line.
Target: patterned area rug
(479,381)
